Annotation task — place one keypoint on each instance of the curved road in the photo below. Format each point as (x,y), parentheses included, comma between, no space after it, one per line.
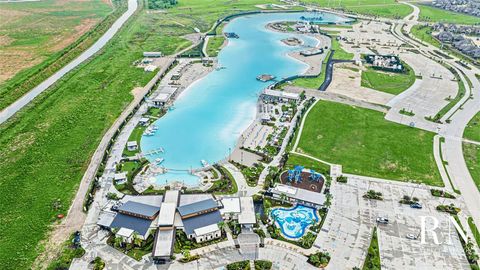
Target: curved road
(453,132)
(8,112)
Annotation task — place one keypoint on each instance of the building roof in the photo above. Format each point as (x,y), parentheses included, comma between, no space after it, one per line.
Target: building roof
(139,209)
(247,215)
(124,232)
(190,224)
(105,218)
(206,230)
(197,207)
(162,97)
(299,194)
(280,94)
(120,176)
(163,244)
(230,205)
(155,200)
(139,225)
(167,89)
(167,214)
(171,196)
(132,143)
(144,119)
(192,198)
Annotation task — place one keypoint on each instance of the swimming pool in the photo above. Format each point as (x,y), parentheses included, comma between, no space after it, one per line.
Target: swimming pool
(211,114)
(294,221)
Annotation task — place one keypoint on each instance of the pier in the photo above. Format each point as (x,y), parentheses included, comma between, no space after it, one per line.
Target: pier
(154,152)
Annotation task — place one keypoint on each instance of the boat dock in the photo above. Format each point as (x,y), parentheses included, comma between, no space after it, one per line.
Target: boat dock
(154,152)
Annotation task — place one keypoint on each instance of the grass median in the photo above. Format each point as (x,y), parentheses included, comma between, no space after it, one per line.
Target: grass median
(472,130)
(471,153)
(364,143)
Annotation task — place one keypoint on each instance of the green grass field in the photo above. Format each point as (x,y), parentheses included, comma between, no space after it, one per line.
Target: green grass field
(364,143)
(432,14)
(214,44)
(424,33)
(389,82)
(380,8)
(294,159)
(46,147)
(471,152)
(340,53)
(472,130)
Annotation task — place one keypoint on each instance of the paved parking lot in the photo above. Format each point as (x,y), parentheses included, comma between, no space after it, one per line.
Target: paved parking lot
(347,231)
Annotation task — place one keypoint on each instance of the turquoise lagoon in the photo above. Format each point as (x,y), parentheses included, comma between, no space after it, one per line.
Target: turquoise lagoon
(211,114)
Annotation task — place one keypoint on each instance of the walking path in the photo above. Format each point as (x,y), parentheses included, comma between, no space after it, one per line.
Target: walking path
(8,112)
(276,160)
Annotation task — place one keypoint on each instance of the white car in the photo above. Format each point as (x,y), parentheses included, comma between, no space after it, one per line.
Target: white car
(382,220)
(411,236)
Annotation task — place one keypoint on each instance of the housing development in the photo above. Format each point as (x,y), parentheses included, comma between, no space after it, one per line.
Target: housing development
(247,134)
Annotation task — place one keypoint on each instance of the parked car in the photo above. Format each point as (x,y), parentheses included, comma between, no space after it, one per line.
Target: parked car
(382,220)
(416,205)
(411,236)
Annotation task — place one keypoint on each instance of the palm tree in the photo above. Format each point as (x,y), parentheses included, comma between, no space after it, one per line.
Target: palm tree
(136,240)
(283,197)
(186,254)
(118,242)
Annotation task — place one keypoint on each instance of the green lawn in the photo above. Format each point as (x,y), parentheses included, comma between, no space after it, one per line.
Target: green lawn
(308,163)
(366,144)
(340,53)
(432,14)
(314,82)
(46,147)
(381,8)
(214,44)
(388,82)
(136,135)
(372,261)
(424,33)
(472,131)
(471,152)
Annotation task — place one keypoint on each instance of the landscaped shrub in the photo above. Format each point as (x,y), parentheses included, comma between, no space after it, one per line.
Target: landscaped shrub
(319,259)
(242,265)
(441,193)
(373,195)
(263,265)
(451,209)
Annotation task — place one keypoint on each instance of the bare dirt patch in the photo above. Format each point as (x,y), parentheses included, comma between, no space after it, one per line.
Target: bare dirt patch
(63,41)
(12,62)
